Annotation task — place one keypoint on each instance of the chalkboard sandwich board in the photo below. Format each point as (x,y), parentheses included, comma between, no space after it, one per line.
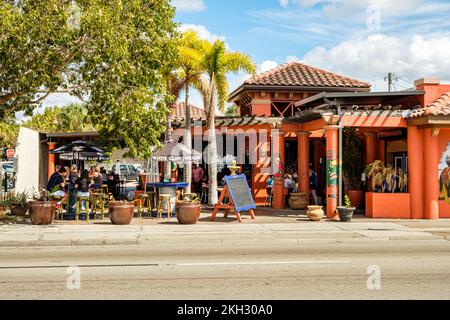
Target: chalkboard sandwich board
(236,189)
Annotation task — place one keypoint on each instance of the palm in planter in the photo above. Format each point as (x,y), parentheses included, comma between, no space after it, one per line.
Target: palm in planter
(188,209)
(386,178)
(17,202)
(353,167)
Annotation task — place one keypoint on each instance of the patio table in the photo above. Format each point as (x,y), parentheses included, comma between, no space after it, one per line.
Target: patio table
(167,188)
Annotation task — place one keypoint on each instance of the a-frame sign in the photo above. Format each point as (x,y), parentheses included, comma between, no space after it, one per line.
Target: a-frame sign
(239,197)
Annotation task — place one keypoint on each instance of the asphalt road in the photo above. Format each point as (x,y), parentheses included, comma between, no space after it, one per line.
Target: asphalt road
(269,270)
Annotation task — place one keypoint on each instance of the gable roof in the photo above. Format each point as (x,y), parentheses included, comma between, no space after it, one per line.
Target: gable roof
(179,112)
(441,107)
(296,74)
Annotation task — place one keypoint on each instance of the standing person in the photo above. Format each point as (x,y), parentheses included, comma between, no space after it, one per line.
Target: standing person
(197,175)
(82,185)
(313,183)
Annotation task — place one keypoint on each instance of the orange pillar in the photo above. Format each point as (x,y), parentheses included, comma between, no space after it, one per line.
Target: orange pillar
(382,150)
(371,147)
(415,171)
(278,158)
(303,163)
(332,170)
(430,167)
(51,158)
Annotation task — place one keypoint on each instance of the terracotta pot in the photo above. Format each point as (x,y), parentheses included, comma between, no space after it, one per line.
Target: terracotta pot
(2,213)
(346,214)
(356,198)
(187,213)
(19,211)
(121,212)
(41,212)
(297,200)
(315,213)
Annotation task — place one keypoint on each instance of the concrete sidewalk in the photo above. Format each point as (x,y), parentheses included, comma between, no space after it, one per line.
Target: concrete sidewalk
(161,233)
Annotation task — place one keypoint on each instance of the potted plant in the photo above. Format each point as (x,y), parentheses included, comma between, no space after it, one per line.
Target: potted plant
(346,212)
(353,166)
(3,209)
(41,208)
(188,209)
(121,212)
(17,202)
(386,178)
(297,200)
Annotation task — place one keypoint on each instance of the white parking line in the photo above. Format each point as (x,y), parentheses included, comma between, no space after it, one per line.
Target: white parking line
(260,263)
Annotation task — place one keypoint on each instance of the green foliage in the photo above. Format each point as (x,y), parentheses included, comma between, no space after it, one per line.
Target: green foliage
(13,198)
(352,166)
(232,111)
(8,134)
(113,54)
(71,118)
(348,203)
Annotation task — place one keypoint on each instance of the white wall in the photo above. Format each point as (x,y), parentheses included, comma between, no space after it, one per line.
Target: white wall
(27,160)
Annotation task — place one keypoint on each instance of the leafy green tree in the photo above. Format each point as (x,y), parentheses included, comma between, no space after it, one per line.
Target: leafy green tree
(9,132)
(71,118)
(217,63)
(110,53)
(232,111)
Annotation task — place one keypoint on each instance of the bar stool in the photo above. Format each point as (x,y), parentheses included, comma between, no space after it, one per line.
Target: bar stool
(59,210)
(98,203)
(269,198)
(164,198)
(105,189)
(85,210)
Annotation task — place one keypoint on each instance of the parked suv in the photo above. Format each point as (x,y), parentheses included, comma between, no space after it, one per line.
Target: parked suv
(127,170)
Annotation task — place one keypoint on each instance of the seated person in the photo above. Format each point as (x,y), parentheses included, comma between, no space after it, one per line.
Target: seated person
(269,185)
(57,183)
(289,183)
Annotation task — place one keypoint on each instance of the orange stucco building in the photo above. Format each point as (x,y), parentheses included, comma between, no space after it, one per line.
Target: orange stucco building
(300,111)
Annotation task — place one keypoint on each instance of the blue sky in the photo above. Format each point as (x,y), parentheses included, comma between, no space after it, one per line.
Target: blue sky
(364,39)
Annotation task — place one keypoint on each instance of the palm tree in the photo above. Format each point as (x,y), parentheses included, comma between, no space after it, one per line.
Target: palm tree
(217,63)
(190,61)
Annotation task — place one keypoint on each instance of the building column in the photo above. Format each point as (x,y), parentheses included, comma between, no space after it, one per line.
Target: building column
(371,147)
(303,162)
(278,169)
(430,172)
(415,171)
(382,150)
(332,155)
(51,158)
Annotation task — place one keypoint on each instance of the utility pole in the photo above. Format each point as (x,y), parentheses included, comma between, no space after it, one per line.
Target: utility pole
(390,78)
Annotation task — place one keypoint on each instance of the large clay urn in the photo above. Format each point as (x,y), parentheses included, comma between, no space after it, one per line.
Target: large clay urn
(19,210)
(121,212)
(297,200)
(356,198)
(41,212)
(315,213)
(188,212)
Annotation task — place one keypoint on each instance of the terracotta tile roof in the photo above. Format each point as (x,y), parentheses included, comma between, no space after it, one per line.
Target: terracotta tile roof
(299,74)
(441,107)
(179,112)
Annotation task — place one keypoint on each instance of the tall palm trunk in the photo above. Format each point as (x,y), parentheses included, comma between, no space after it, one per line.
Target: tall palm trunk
(212,147)
(188,140)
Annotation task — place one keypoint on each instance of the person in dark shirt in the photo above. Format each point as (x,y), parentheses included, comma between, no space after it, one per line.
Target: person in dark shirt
(57,182)
(83,183)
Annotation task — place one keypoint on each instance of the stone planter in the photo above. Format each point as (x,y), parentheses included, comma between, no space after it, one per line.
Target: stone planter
(297,200)
(41,212)
(315,213)
(187,212)
(19,211)
(346,214)
(356,198)
(121,212)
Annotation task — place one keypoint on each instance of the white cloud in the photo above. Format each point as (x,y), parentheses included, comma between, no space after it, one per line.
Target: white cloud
(292,58)
(202,32)
(189,5)
(266,66)
(371,58)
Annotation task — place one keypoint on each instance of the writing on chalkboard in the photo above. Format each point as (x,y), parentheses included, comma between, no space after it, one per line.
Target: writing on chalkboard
(240,192)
